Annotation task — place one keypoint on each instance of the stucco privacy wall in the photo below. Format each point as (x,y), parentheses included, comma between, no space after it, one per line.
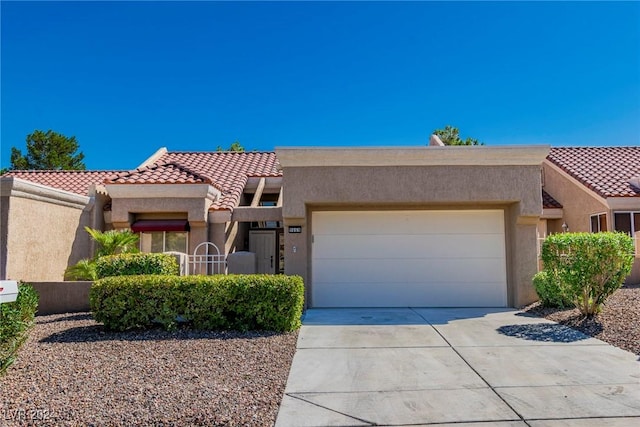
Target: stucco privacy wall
(418,178)
(42,230)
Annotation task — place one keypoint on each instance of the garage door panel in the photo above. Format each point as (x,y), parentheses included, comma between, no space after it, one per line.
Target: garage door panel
(403,246)
(445,270)
(408,295)
(407,222)
(408,258)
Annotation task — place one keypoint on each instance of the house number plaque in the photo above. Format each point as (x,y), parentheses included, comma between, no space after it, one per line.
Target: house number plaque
(295,229)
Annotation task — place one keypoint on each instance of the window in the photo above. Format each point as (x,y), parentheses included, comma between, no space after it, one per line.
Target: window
(164,241)
(157,235)
(598,223)
(628,222)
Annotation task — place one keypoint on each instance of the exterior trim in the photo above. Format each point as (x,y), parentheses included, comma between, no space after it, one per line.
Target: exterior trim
(154,191)
(259,213)
(15,187)
(624,203)
(412,156)
(154,157)
(551,213)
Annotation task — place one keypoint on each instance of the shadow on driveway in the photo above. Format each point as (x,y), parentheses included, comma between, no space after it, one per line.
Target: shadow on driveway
(543,332)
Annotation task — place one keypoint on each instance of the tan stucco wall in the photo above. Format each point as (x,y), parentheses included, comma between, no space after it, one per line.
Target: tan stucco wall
(43,239)
(516,189)
(4,231)
(577,204)
(412,185)
(62,297)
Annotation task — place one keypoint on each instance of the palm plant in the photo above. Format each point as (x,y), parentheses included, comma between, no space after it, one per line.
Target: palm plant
(114,242)
(85,269)
(110,242)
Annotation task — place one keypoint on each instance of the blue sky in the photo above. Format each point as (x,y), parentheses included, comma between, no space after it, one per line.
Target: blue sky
(128,78)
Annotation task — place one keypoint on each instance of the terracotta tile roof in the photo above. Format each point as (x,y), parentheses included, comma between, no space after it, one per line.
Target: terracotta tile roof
(605,170)
(73,181)
(549,202)
(168,173)
(227,171)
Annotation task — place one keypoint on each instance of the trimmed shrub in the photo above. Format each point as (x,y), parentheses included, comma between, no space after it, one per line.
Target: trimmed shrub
(550,290)
(16,318)
(242,302)
(136,264)
(583,268)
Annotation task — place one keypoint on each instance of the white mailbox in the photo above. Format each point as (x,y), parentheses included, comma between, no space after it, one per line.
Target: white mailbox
(8,290)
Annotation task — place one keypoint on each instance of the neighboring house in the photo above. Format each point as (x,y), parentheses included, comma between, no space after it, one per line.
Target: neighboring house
(42,220)
(423,226)
(596,189)
(175,200)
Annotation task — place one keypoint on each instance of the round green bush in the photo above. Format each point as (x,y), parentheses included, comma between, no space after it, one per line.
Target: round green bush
(583,268)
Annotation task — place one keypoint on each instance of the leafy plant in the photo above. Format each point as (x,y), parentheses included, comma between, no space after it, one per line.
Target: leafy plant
(550,290)
(583,268)
(114,242)
(243,302)
(85,269)
(136,264)
(451,136)
(110,243)
(16,318)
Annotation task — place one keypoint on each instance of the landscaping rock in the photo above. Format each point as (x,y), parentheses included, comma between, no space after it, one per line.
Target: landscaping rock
(71,372)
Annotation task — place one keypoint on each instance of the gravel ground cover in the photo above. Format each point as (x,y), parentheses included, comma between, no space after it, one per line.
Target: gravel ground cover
(618,323)
(71,372)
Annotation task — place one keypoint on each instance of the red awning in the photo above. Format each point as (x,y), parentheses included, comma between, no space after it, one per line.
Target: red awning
(160,225)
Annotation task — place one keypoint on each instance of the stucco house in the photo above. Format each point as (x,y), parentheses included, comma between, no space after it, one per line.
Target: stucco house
(421,226)
(593,189)
(175,200)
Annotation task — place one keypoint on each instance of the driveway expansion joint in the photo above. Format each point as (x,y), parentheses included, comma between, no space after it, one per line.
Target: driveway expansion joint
(474,370)
(459,367)
(293,396)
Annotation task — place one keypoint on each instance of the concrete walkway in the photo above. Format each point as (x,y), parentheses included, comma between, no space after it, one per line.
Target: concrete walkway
(457,368)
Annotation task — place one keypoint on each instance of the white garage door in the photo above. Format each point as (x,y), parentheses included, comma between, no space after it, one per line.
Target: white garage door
(408,259)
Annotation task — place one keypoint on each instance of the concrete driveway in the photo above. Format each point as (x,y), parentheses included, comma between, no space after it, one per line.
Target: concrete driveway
(455,367)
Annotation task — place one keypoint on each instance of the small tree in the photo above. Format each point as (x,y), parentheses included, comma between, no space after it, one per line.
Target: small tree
(48,150)
(451,136)
(110,242)
(583,268)
(234,147)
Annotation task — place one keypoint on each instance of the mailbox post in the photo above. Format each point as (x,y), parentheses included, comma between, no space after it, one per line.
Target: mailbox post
(8,290)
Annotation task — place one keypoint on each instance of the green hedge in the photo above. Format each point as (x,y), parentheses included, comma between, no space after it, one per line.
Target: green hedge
(583,269)
(16,318)
(243,302)
(136,264)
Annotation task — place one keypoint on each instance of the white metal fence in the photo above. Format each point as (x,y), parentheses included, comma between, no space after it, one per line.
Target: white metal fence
(206,259)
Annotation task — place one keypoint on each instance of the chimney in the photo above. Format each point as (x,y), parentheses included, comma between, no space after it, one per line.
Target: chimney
(435,140)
